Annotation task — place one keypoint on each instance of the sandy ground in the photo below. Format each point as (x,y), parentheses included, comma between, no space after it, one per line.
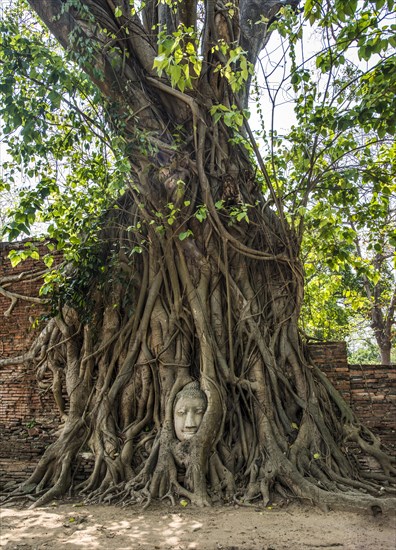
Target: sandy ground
(71,525)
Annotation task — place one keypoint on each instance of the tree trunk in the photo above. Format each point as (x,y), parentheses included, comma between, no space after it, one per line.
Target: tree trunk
(203,282)
(386,354)
(382,322)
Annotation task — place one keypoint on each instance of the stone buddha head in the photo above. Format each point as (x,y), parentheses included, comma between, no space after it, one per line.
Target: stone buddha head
(188,410)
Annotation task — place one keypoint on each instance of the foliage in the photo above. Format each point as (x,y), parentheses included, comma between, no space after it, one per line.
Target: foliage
(365,354)
(178,57)
(335,169)
(60,155)
(351,236)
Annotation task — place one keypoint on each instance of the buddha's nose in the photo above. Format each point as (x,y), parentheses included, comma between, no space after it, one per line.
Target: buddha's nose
(190,420)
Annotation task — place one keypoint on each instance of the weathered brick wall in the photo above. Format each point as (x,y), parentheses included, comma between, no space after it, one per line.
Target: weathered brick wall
(373,398)
(332,360)
(369,389)
(28,416)
(329,353)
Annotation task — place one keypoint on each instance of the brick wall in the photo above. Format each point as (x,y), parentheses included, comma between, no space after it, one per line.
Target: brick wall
(28,416)
(373,398)
(332,360)
(369,389)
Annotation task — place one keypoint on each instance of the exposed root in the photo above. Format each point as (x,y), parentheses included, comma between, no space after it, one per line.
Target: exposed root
(220,306)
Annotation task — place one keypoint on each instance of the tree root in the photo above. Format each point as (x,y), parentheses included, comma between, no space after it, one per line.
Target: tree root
(274,427)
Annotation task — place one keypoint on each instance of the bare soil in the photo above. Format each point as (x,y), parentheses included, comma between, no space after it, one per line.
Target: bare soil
(70,524)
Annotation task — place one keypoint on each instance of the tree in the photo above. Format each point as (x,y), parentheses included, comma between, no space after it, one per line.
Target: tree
(349,250)
(193,273)
(338,176)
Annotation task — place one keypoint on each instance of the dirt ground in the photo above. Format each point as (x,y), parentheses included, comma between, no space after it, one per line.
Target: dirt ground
(72,525)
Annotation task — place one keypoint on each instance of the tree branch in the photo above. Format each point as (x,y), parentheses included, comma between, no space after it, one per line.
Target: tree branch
(255,17)
(254,35)
(117,75)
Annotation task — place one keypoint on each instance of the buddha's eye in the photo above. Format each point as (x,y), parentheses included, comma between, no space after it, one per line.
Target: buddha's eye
(181,412)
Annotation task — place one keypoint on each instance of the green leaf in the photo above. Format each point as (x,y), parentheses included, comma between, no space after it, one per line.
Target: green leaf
(48,260)
(242,216)
(55,99)
(185,234)
(14,259)
(296,78)
(217,116)
(201,213)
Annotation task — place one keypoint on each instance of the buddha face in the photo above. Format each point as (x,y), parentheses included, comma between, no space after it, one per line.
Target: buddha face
(187,416)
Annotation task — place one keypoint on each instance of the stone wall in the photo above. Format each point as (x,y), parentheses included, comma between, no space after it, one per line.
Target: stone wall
(28,416)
